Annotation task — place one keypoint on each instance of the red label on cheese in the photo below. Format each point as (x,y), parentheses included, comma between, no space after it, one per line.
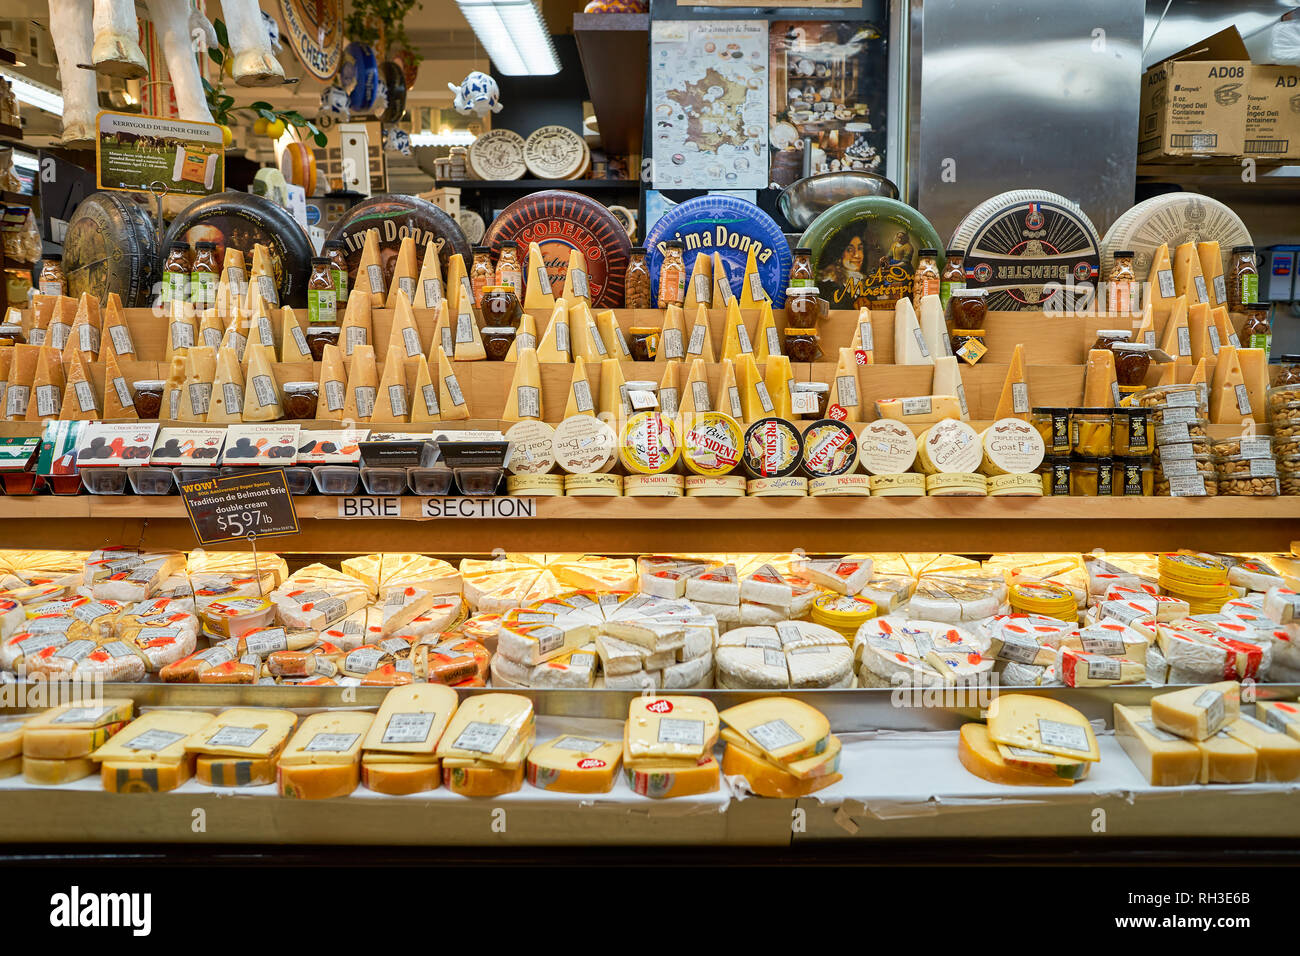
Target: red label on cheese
(660,706)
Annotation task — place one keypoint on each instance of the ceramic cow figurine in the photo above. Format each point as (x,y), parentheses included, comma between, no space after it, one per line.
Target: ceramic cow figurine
(108,41)
(477,93)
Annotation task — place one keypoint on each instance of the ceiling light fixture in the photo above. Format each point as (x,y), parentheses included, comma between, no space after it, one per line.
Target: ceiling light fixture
(514,34)
(35,94)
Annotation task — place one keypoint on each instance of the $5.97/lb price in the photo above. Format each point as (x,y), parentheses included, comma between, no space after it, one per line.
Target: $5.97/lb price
(237,506)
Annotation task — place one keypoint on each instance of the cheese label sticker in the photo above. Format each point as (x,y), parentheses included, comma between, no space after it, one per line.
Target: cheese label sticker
(397,399)
(696,346)
(453,390)
(365,395)
(411,339)
(920,341)
(1157,732)
(432,293)
(774,735)
(120,336)
(561,336)
(85,396)
(1020,397)
(578,278)
(1201,294)
(236,737)
(702,289)
(375,275)
(154,740)
(1279,719)
(1211,701)
(1259,725)
(1101,641)
(1215,342)
(1104,668)
(1053,733)
(582,745)
(408,728)
(675,730)
(1165,279)
(743,337)
(480,737)
(331,743)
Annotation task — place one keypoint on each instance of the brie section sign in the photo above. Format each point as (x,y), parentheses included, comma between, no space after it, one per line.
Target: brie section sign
(240,506)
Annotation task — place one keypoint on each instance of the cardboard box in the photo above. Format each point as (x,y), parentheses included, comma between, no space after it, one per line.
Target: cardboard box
(1193,103)
(1273,113)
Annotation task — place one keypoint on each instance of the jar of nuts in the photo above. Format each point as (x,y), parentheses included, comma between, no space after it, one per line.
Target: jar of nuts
(1288,474)
(1192,477)
(1193,395)
(1253,446)
(1176,433)
(636,281)
(1247,476)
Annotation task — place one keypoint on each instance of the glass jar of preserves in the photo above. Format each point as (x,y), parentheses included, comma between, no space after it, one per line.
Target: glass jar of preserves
(925,281)
(1132,361)
(801,270)
(810,400)
(1257,331)
(801,345)
(52,281)
(203,275)
(497,340)
(968,345)
(481,273)
(636,282)
(1289,373)
(672,276)
(1092,477)
(501,307)
(1053,426)
(147,396)
(300,399)
(1133,431)
(953,277)
(338,269)
(967,309)
(1121,284)
(322,294)
(643,343)
(319,336)
(1133,477)
(804,307)
(1243,278)
(1107,338)
(509,273)
(1091,432)
(176,273)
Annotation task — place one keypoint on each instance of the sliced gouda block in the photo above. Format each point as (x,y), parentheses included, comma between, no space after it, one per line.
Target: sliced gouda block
(755,401)
(779,379)
(1188,279)
(405,270)
(524,403)
(695,391)
(729,392)
(370,272)
(525,337)
(1254,369)
(1199,324)
(1229,397)
(556,347)
(613,391)
(404,337)
(117,394)
(1100,386)
(699,344)
(392,403)
(752,293)
(293,344)
(612,334)
(358,328)
(1177,340)
(332,386)
(424,398)
(537,282)
(735,337)
(580,401)
(227,403)
(1211,260)
(116,336)
(1014,400)
(363,385)
(575,278)
(80,403)
(844,388)
(700,290)
(451,399)
(196,392)
(947,381)
(429,291)
(1161,291)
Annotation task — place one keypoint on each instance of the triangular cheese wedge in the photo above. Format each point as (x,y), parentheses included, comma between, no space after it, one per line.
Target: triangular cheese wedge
(1199,324)
(236,336)
(1229,397)
(580,400)
(947,381)
(700,290)
(232,287)
(256,348)
(1146,330)
(1211,260)
(723,295)
(227,402)
(584,337)
(1014,400)
(613,391)
(22,373)
(61,323)
(172,387)
(392,403)
(699,344)
(293,344)
(670,394)
(458,285)
(779,378)
(844,389)
(405,271)
(695,391)
(613,335)
(80,403)
(424,398)
(262,401)
(933,327)
(1224,331)
(47,387)
(444,335)
(363,385)
(752,293)
(537,282)
(1160,283)
(182,329)
(672,340)
(1100,386)
(524,402)
(261,282)
(1199,374)
(117,394)
(556,347)
(525,337)
(200,373)
(469,341)
(729,392)
(404,337)
(1177,340)
(755,401)
(1254,369)
(370,271)
(358,328)
(116,336)
(767,339)
(6,362)
(212,329)
(44,308)
(260,336)
(332,386)
(1167,373)
(735,337)
(910,346)
(576,285)
(1188,280)
(429,292)
(84,338)
(451,397)
(864,336)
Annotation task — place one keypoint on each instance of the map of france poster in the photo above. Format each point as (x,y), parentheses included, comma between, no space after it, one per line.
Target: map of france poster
(709,104)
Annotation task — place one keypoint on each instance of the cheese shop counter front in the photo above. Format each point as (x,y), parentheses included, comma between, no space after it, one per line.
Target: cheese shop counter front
(674,699)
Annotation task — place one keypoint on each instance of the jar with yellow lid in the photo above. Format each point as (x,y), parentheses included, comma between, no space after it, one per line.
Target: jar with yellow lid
(1091,477)
(1040,597)
(843,613)
(1132,431)
(1053,424)
(1091,432)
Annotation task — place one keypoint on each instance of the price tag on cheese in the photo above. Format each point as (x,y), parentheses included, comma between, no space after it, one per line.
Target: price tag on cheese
(239,506)
(116,444)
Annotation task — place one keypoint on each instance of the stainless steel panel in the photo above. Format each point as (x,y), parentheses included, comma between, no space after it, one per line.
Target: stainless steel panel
(1189,21)
(1029,93)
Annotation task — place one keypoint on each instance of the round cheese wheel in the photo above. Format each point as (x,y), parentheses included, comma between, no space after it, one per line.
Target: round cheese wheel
(111,246)
(865,250)
(886,447)
(240,221)
(397,217)
(555,152)
(1027,224)
(498,154)
(395,81)
(359,77)
(1174,219)
(560,221)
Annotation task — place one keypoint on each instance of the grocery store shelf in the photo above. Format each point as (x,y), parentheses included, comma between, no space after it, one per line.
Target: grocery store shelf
(1229,175)
(533,185)
(625,525)
(615,52)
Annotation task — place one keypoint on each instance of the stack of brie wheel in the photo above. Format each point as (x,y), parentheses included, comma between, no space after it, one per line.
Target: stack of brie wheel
(789,655)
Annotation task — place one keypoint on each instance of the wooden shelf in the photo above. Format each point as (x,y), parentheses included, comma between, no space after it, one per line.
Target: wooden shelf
(10,132)
(615,52)
(533,185)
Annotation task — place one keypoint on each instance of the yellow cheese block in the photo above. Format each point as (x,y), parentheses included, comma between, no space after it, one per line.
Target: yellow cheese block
(124,776)
(196,391)
(779,378)
(1042,724)
(248,732)
(818,765)
(735,337)
(116,334)
(80,403)
(575,279)
(612,333)
(1188,279)
(488,729)
(475,781)
(370,272)
(1014,401)
(979,754)
(74,730)
(117,394)
(358,325)
(1226,331)
(235,337)
(767,338)
(330,737)
(451,398)
(613,390)
(411,720)
(261,285)
(392,402)
(443,334)
(83,339)
(468,339)
(182,329)
(1229,397)
(1162,289)
(404,337)
(227,401)
(556,347)
(405,270)
(579,402)
(262,401)
(211,330)
(670,390)
(783,729)
(158,736)
(429,290)
(11,766)
(585,339)
(22,374)
(729,392)
(236,771)
(525,338)
(665,779)
(919,409)
(1211,260)
(768,780)
(755,401)
(1198,374)
(864,338)
(694,395)
(910,346)
(424,398)
(172,387)
(44,772)
(1254,372)
(700,290)
(1177,340)
(11,736)
(752,293)
(399,779)
(1146,330)
(363,385)
(947,381)
(317,781)
(844,388)
(1199,324)
(1164,759)
(1197,713)
(459,288)
(672,341)
(537,282)
(1226,759)
(332,386)
(670,728)
(722,291)
(1100,386)
(699,344)
(47,387)
(1277,755)
(574,764)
